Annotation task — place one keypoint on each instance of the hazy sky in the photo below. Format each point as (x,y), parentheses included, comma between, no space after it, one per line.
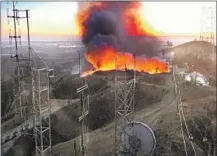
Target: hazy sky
(56,20)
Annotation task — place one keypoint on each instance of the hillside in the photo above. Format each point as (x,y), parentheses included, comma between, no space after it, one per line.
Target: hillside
(163,118)
(200,49)
(155,105)
(101,110)
(200,56)
(64,122)
(149,97)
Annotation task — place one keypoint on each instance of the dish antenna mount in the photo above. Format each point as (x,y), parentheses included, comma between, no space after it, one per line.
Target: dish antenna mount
(138,139)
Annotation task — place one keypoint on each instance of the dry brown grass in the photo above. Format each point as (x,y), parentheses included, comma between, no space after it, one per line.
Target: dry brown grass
(101,140)
(198,55)
(65,121)
(198,102)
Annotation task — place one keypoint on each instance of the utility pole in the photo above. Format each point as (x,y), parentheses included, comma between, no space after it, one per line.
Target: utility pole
(84,99)
(29,48)
(210,149)
(214,145)
(75,149)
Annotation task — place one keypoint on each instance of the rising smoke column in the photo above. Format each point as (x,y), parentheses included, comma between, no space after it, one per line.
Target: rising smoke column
(100,25)
(114,27)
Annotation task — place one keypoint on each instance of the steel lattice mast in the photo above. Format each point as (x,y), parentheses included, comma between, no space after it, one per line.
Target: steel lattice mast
(32,75)
(22,71)
(124,106)
(208,27)
(42,110)
(41,75)
(208,23)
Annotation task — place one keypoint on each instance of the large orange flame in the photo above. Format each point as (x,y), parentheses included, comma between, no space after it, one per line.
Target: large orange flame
(105,59)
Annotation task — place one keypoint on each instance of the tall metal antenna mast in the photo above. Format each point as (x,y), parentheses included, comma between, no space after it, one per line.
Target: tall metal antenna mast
(124,106)
(208,24)
(23,68)
(37,79)
(84,99)
(41,75)
(42,110)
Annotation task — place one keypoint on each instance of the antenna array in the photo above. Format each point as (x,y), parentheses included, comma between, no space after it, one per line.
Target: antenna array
(22,71)
(208,23)
(32,77)
(124,106)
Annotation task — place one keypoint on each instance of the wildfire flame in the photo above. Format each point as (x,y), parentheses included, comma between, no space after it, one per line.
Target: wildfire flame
(107,58)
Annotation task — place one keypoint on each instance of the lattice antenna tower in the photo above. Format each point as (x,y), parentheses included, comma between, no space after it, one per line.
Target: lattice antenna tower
(208,23)
(41,75)
(42,110)
(22,71)
(124,105)
(84,100)
(208,26)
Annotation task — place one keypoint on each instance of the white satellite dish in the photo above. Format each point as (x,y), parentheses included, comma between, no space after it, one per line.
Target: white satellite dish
(139,139)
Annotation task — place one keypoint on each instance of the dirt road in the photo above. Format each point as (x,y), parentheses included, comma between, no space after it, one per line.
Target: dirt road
(101,141)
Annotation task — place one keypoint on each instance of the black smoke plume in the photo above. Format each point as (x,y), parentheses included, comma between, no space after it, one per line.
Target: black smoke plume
(105,27)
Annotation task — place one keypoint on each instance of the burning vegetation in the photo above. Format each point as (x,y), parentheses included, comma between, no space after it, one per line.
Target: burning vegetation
(114,34)
(106,58)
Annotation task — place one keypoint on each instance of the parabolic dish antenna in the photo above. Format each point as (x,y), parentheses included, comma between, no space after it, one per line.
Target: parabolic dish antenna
(139,139)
